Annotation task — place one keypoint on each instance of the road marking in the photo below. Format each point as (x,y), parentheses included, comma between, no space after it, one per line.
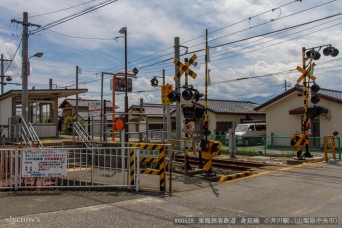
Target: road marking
(277,170)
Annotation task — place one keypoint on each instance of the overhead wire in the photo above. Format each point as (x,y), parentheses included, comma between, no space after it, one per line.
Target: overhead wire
(73,16)
(80,37)
(285,29)
(16,51)
(248,38)
(164,61)
(203,35)
(57,11)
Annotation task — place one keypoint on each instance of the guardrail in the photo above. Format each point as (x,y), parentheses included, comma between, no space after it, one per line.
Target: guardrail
(43,168)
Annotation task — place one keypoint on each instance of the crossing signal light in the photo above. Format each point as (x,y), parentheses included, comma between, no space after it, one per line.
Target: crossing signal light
(193,113)
(187,94)
(315,99)
(315,88)
(334,52)
(197,95)
(330,51)
(174,96)
(312,54)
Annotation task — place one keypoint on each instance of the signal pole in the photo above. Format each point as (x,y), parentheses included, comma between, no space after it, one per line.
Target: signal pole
(3,73)
(24,65)
(77,71)
(177,85)
(286,85)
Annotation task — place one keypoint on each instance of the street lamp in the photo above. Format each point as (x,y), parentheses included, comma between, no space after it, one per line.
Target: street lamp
(123,31)
(25,73)
(38,55)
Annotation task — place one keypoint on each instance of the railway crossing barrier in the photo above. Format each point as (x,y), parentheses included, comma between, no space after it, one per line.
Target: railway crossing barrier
(297,140)
(152,161)
(210,149)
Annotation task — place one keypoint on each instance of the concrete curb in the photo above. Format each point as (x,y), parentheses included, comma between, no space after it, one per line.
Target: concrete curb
(236,176)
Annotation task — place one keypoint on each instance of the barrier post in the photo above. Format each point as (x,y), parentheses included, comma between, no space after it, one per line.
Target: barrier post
(329,147)
(339,148)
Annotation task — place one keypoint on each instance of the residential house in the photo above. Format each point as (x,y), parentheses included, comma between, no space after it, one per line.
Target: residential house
(284,115)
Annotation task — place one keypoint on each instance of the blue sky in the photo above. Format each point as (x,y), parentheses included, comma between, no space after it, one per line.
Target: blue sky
(152,26)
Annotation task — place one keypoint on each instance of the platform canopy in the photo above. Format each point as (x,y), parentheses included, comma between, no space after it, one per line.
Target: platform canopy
(43,94)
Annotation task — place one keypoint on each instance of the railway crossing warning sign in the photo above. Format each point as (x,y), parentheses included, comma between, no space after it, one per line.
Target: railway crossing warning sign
(185,67)
(305,73)
(165,90)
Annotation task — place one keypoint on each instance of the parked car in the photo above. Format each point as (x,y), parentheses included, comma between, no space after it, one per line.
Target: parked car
(248,133)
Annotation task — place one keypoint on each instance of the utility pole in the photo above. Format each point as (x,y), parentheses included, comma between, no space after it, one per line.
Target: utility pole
(3,73)
(177,84)
(77,71)
(24,43)
(286,84)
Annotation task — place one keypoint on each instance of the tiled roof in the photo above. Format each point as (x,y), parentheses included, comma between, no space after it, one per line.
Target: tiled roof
(328,94)
(332,94)
(230,107)
(82,103)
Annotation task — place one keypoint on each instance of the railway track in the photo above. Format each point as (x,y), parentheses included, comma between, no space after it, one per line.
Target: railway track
(223,164)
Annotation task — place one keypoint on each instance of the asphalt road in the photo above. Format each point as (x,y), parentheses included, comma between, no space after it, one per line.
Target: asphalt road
(311,191)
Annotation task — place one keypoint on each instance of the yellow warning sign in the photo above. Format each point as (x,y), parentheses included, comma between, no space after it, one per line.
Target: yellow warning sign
(165,90)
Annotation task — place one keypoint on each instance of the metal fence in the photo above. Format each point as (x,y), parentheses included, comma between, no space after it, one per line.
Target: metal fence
(274,145)
(83,168)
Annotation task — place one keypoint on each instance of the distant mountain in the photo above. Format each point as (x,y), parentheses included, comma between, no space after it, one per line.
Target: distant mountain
(257,99)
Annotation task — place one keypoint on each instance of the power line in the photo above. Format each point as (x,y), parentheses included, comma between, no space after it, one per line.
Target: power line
(56,11)
(73,16)
(248,38)
(13,56)
(79,37)
(203,35)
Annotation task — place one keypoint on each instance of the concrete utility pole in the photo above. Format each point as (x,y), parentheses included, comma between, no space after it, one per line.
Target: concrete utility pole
(77,71)
(24,43)
(177,84)
(3,73)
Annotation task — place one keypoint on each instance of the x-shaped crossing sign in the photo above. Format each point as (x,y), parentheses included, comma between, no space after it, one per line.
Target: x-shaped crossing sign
(306,73)
(185,67)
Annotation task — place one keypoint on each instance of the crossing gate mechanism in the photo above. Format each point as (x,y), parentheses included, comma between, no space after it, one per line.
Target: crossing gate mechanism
(298,141)
(329,147)
(209,149)
(152,161)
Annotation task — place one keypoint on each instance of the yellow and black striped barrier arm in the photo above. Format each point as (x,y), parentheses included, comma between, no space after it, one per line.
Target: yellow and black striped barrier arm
(160,160)
(214,148)
(298,141)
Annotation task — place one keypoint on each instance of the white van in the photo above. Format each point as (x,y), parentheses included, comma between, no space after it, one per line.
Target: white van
(249,133)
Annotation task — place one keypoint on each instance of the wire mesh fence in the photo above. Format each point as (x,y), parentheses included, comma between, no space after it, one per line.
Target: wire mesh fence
(273,146)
